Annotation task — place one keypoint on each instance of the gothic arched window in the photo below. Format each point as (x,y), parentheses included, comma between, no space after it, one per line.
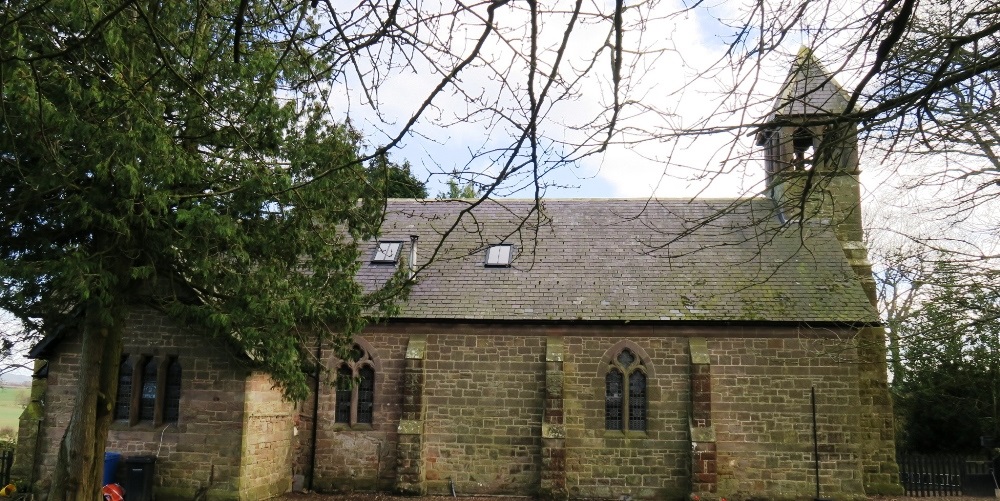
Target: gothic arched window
(123,400)
(355,395)
(149,390)
(625,393)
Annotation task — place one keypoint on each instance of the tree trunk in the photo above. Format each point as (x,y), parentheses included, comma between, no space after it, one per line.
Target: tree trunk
(77,476)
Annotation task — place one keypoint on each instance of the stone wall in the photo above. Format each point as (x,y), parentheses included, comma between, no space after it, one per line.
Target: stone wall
(201,452)
(362,457)
(266,467)
(483,412)
(762,416)
(611,464)
(520,409)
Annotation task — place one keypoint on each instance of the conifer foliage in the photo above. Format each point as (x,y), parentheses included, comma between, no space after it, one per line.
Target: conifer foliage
(142,160)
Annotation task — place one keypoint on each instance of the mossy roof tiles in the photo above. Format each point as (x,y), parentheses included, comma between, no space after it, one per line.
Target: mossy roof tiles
(618,260)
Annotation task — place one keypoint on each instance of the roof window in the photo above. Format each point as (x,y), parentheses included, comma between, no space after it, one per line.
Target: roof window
(387,253)
(499,255)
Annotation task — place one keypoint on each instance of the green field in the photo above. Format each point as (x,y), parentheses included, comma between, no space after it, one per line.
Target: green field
(12,402)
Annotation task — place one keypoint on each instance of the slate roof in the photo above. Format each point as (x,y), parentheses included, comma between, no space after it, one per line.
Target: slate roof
(618,260)
(809,90)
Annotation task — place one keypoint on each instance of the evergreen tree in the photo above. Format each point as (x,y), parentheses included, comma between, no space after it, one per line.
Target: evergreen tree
(947,394)
(394,180)
(143,160)
(458,191)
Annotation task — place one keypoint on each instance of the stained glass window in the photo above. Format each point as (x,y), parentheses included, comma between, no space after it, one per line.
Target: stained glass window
(157,395)
(625,393)
(613,400)
(626,358)
(123,399)
(637,401)
(366,394)
(355,388)
(147,400)
(345,384)
(357,353)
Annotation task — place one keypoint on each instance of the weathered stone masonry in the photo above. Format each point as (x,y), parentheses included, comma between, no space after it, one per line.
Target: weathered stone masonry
(624,352)
(410,470)
(206,452)
(553,475)
(520,410)
(704,473)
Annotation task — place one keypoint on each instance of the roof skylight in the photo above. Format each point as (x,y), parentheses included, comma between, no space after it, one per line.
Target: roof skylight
(387,252)
(499,255)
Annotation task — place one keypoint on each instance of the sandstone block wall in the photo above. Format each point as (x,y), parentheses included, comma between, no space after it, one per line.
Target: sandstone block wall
(362,457)
(202,453)
(763,417)
(611,464)
(266,467)
(488,423)
(483,411)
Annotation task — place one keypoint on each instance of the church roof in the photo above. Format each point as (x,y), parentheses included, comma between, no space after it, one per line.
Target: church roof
(619,260)
(809,89)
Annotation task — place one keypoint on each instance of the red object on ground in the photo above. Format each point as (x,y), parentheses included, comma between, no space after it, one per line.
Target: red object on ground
(113,492)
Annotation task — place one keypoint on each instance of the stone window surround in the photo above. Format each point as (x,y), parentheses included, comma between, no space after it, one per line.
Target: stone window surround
(369,359)
(608,360)
(139,361)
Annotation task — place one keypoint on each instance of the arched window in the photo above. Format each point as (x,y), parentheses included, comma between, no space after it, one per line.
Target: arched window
(149,389)
(172,399)
(345,392)
(802,148)
(147,399)
(123,398)
(355,388)
(625,393)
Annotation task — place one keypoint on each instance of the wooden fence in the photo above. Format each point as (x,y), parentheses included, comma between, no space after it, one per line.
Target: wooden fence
(925,476)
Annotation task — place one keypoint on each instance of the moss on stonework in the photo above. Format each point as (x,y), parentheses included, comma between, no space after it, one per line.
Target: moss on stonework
(409,488)
(221,496)
(673,492)
(552,494)
(784,496)
(32,412)
(885,489)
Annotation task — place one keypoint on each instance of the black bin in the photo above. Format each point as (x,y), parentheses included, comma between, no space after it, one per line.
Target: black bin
(139,478)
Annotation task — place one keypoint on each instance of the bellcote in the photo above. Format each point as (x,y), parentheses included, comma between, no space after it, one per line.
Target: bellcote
(810,151)
(802,130)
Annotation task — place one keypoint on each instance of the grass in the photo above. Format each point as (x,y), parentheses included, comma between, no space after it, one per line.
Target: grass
(12,402)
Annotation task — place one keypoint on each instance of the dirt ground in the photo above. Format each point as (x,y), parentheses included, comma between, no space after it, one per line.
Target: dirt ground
(385,497)
(296,496)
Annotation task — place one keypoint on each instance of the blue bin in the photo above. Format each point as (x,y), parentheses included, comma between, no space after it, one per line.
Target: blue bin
(111,466)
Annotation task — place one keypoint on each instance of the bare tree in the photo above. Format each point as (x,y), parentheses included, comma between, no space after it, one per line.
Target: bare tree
(539,88)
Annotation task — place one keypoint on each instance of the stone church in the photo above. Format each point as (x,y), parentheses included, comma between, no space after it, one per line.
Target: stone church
(578,348)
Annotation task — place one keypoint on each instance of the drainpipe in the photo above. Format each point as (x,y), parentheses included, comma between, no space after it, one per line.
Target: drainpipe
(413,256)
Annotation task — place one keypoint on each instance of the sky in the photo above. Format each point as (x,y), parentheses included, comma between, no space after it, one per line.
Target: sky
(665,81)
(676,76)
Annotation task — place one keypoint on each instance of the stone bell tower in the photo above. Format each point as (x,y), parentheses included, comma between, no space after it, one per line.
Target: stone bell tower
(811,151)
(812,168)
